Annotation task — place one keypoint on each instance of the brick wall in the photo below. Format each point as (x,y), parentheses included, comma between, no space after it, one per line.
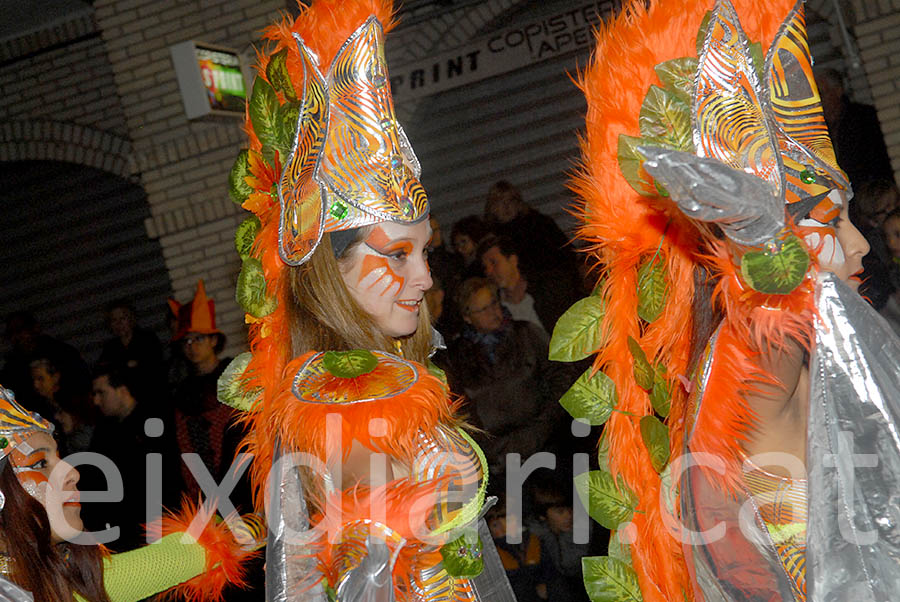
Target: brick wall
(59,101)
(183,165)
(877,30)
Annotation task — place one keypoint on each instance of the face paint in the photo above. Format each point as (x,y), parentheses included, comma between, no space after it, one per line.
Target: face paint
(388,275)
(50,481)
(378,277)
(840,248)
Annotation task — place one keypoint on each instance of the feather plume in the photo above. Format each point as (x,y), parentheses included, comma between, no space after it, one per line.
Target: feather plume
(324,26)
(225,557)
(621,229)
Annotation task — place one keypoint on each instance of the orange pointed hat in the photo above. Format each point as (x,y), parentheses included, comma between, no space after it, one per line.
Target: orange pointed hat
(198,316)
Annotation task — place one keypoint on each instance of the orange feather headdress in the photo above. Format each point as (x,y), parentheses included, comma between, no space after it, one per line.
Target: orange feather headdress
(633,228)
(290,176)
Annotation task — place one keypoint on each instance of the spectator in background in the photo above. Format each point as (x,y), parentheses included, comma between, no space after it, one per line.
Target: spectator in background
(132,347)
(538,241)
(521,561)
(501,365)
(28,344)
(540,298)
(874,201)
(443,262)
(561,556)
(125,434)
(202,425)
(855,132)
(75,418)
(67,402)
(446,272)
(465,236)
(891,309)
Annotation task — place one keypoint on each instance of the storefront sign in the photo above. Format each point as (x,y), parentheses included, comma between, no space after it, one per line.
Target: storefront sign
(501,52)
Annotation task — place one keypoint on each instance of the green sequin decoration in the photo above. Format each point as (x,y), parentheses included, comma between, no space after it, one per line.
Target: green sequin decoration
(3,442)
(807,177)
(462,556)
(339,210)
(349,364)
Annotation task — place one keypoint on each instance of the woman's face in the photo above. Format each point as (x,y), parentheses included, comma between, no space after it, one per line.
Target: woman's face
(52,482)
(842,251)
(387,275)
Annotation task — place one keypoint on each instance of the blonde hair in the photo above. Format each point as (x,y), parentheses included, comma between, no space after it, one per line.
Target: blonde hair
(325,317)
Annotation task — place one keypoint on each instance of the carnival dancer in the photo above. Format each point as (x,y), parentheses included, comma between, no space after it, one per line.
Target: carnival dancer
(40,523)
(728,309)
(375,486)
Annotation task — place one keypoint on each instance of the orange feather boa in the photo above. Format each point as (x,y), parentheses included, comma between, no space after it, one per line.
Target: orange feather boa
(621,229)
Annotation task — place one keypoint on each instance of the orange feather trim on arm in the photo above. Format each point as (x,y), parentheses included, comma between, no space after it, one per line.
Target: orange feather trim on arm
(225,557)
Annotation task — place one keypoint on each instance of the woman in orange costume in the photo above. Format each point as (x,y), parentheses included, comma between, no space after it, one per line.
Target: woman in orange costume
(711,194)
(348,428)
(46,553)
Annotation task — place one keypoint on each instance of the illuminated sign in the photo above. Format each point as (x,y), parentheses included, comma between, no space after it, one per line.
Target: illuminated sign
(210,78)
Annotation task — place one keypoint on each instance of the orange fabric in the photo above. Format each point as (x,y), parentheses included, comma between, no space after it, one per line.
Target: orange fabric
(622,229)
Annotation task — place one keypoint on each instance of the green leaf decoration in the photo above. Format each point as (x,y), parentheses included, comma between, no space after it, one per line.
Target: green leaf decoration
(462,557)
(643,371)
(701,34)
(349,364)
(759,60)
(618,550)
(277,74)
(437,372)
(590,398)
(288,118)
(264,113)
(608,502)
(577,333)
(666,490)
(609,579)
(666,120)
(677,75)
(652,288)
(656,439)
(660,395)
(238,189)
(776,271)
(603,453)
(630,162)
(229,388)
(245,236)
(250,292)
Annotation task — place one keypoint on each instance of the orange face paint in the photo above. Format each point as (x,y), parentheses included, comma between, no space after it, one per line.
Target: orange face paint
(28,471)
(383,281)
(379,242)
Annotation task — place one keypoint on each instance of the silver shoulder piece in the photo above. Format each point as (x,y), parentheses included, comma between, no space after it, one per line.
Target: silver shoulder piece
(853,452)
(748,208)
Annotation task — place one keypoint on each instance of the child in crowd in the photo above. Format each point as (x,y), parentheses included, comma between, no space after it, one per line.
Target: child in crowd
(561,555)
(522,561)
(891,230)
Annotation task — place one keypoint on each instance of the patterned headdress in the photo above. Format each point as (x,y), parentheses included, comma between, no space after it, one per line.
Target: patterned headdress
(689,126)
(16,425)
(325,155)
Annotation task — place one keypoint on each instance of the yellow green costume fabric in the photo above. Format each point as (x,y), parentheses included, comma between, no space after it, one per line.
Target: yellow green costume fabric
(138,574)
